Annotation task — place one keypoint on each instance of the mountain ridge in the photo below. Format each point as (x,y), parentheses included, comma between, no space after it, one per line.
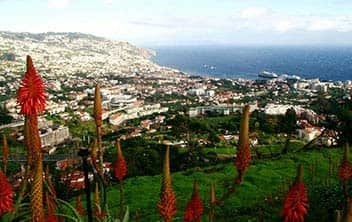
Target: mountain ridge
(40,35)
(75,52)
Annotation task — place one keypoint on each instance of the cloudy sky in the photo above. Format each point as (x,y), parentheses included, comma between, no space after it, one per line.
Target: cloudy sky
(192,22)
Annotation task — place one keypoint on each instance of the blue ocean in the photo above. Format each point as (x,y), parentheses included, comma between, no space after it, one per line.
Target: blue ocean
(323,62)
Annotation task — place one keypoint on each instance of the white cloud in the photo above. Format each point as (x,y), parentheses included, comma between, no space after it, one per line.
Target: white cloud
(338,24)
(265,19)
(322,25)
(250,24)
(254,12)
(59,4)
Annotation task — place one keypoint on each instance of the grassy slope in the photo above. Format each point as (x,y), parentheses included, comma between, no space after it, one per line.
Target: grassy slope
(262,179)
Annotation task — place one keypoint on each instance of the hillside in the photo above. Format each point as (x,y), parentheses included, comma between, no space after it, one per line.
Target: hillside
(259,197)
(71,53)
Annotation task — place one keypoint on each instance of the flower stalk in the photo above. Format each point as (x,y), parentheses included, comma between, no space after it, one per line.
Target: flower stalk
(347,215)
(79,207)
(212,202)
(194,209)
(6,195)
(5,153)
(99,212)
(345,169)
(98,112)
(120,172)
(243,155)
(84,154)
(296,201)
(243,151)
(98,117)
(167,203)
(32,99)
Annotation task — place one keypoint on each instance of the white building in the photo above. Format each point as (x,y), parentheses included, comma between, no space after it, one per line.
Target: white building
(308,134)
(210,93)
(55,136)
(54,108)
(196,92)
(122,100)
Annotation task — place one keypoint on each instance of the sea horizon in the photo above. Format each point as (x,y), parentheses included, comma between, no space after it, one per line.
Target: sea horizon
(325,62)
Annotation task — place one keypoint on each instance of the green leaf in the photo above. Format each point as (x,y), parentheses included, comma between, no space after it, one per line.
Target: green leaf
(76,216)
(127,215)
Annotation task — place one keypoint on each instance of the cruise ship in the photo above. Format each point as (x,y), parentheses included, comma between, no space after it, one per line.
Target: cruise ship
(266,74)
(272,75)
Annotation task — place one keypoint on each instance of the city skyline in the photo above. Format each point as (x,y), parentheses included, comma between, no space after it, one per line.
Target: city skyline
(183,22)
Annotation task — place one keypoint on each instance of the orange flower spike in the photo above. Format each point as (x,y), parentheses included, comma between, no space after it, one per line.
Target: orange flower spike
(50,213)
(27,142)
(345,168)
(51,218)
(36,195)
(31,95)
(120,170)
(296,201)
(5,152)
(96,199)
(98,212)
(79,207)
(212,202)
(50,182)
(167,204)
(94,152)
(50,197)
(243,151)
(347,214)
(194,209)
(6,195)
(98,115)
(98,111)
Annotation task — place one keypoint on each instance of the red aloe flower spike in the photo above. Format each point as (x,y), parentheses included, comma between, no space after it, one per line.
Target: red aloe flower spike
(243,151)
(31,95)
(167,204)
(50,182)
(79,207)
(345,168)
(120,170)
(296,201)
(50,218)
(5,152)
(6,195)
(194,209)
(50,212)
(50,197)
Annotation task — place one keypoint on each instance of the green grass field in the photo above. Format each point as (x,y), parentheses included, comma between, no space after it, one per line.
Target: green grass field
(252,201)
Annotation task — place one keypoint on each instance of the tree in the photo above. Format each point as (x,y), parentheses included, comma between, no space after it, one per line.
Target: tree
(289,126)
(5,118)
(289,121)
(345,125)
